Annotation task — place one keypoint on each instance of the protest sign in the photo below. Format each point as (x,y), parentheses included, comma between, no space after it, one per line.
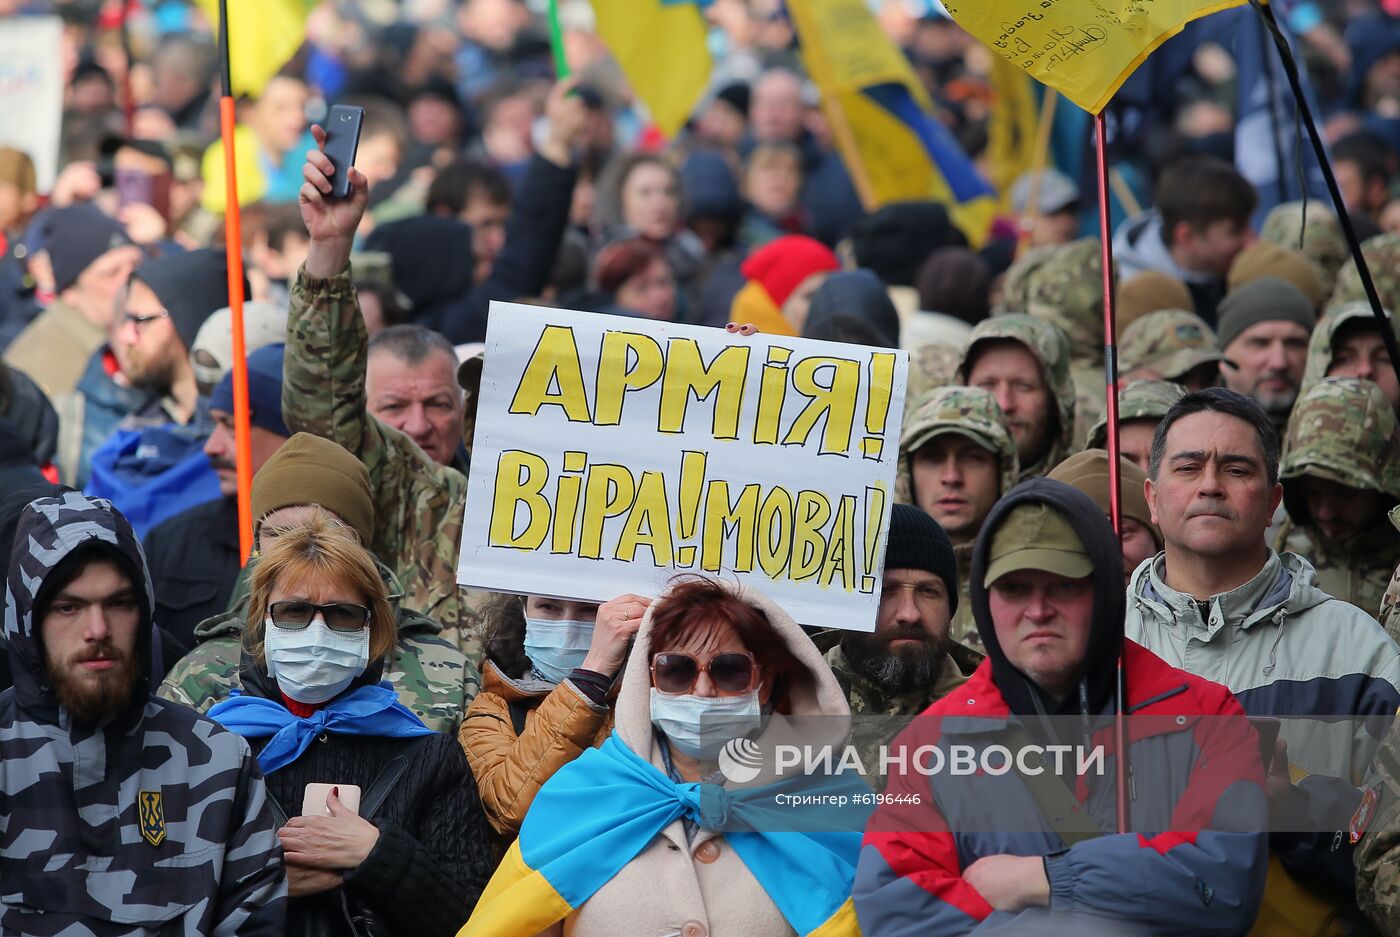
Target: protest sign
(612,454)
(31,90)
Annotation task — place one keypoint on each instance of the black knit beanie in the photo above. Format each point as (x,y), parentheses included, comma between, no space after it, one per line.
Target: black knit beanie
(918,542)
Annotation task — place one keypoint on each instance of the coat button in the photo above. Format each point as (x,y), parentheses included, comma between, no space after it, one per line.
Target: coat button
(707,852)
(692,929)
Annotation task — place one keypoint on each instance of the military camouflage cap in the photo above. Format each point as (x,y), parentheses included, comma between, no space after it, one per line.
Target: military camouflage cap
(1140,400)
(1344,430)
(1015,295)
(965,411)
(1319,236)
(931,366)
(1320,348)
(1382,254)
(1049,345)
(1170,342)
(1067,290)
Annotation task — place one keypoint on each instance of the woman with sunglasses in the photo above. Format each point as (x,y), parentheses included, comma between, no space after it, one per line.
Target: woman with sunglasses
(547,689)
(624,833)
(384,832)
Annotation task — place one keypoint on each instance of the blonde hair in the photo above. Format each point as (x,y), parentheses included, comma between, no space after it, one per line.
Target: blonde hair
(322,549)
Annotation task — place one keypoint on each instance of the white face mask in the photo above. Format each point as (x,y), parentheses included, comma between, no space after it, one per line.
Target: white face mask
(557,647)
(314,664)
(698,726)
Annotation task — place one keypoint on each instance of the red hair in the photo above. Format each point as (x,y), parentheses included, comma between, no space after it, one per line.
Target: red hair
(622,260)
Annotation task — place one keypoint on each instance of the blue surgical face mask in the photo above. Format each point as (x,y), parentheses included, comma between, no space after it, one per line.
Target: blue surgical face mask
(557,647)
(698,726)
(314,664)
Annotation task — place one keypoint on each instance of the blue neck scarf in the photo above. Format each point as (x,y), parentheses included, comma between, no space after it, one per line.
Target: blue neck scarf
(370,710)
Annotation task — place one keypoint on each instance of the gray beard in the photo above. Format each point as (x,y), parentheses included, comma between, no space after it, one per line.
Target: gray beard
(895,673)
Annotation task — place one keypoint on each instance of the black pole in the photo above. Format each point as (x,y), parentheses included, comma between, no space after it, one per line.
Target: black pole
(225,72)
(1280,164)
(1290,68)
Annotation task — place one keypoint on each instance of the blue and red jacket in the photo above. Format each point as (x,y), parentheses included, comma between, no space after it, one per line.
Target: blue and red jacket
(1197,866)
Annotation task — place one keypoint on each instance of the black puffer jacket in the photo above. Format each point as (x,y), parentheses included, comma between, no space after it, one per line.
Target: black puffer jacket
(433,858)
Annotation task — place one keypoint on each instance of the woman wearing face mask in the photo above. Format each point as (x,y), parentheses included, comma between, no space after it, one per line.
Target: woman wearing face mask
(623,834)
(547,689)
(413,856)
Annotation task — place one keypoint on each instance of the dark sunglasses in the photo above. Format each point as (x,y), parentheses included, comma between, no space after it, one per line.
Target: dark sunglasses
(730,672)
(339,616)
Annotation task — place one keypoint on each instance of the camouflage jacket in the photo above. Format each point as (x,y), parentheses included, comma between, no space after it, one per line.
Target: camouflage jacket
(867,699)
(1066,290)
(1051,348)
(1382,254)
(1377,822)
(964,627)
(419,504)
(431,674)
(1318,234)
(1342,430)
(154,821)
(1390,602)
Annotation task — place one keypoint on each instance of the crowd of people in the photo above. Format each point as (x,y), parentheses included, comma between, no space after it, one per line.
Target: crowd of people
(337,738)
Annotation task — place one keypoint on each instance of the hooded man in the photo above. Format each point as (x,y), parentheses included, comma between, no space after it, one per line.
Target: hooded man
(1024,363)
(1382,254)
(1141,406)
(1169,345)
(1347,342)
(910,660)
(1341,476)
(195,556)
(433,678)
(853,306)
(92,256)
(957,457)
(952,852)
(1218,602)
(124,814)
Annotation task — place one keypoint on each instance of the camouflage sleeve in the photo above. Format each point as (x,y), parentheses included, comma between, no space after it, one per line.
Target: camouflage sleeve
(252,896)
(1377,821)
(204,676)
(1390,607)
(323,376)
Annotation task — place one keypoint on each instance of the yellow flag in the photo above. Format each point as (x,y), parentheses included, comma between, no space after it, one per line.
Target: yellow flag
(1011,127)
(881,119)
(661,48)
(1084,49)
(263,36)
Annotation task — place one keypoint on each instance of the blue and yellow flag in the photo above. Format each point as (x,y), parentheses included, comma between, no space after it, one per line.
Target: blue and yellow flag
(1011,128)
(1084,49)
(661,47)
(263,35)
(602,809)
(881,119)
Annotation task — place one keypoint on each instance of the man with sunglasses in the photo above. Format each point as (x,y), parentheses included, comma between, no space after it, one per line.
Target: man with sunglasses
(909,660)
(432,676)
(122,813)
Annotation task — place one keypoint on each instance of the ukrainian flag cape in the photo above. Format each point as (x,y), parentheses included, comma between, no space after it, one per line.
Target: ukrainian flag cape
(599,811)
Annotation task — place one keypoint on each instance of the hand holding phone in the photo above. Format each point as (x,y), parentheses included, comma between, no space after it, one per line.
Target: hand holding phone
(342,142)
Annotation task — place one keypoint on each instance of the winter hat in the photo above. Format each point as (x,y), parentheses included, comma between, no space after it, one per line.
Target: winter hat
(782,264)
(1088,471)
(896,240)
(190,286)
(1265,300)
(858,294)
(311,470)
(263,324)
(75,237)
(736,95)
(710,189)
(1150,291)
(1262,259)
(918,542)
(264,390)
(432,258)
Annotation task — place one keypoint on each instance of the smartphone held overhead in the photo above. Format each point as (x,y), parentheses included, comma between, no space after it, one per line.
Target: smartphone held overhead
(342,141)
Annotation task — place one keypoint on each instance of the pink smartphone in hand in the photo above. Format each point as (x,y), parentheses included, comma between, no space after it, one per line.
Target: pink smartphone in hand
(313,802)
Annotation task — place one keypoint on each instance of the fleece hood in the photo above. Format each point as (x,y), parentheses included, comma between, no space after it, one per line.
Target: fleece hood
(1110,601)
(49,532)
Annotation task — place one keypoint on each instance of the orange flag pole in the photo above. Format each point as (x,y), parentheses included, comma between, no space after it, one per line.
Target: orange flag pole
(233,245)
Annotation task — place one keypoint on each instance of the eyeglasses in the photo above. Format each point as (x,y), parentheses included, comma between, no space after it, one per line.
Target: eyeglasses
(141,321)
(338,616)
(730,672)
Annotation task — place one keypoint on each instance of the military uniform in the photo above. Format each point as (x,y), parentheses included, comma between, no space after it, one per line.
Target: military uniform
(1067,291)
(1318,235)
(1169,343)
(419,504)
(970,412)
(1320,350)
(1343,430)
(931,366)
(1382,254)
(1140,400)
(430,673)
(867,699)
(1051,348)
